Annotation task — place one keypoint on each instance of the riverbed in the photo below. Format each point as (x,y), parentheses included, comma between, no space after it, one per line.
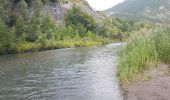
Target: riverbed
(63,74)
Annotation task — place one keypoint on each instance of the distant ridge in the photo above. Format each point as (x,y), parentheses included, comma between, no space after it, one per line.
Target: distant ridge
(142,10)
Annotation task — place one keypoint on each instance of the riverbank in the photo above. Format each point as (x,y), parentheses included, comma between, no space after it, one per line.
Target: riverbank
(141,53)
(24,46)
(155,87)
(140,60)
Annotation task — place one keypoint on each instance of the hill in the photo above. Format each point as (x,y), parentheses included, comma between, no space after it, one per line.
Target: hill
(143,10)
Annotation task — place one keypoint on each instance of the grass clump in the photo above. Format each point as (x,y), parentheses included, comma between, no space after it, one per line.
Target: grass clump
(26,46)
(162,42)
(141,50)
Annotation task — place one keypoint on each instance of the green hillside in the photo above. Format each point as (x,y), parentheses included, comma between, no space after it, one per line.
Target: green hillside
(145,10)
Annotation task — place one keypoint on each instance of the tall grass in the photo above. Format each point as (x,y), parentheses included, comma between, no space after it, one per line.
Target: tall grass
(162,42)
(70,44)
(24,46)
(141,50)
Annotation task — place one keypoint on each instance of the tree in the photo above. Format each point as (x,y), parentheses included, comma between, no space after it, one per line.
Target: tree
(37,4)
(21,27)
(48,26)
(34,29)
(77,18)
(6,37)
(23,9)
(3,6)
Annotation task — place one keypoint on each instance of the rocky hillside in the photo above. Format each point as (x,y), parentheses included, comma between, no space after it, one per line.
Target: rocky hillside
(28,25)
(145,10)
(53,8)
(59,9)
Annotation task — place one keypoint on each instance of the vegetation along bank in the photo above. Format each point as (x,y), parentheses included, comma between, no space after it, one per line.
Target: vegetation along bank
(143,52)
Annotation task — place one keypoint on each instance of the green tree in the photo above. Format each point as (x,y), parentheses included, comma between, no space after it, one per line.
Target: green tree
(34,30)
(37,4)
(4,4)
(77,19)
(48,26)
(6,38)
(23,9)
(20,27)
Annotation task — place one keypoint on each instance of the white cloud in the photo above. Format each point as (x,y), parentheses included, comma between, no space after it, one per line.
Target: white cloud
(103,4)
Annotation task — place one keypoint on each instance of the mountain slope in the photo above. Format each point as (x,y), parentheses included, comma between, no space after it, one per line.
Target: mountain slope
(145,10)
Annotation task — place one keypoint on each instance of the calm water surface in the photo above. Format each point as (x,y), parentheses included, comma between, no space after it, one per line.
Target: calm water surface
(65,74)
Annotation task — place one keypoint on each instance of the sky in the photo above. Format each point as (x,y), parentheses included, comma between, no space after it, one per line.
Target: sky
(103,4)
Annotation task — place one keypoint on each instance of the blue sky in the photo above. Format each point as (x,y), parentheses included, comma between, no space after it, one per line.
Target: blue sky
(103,4)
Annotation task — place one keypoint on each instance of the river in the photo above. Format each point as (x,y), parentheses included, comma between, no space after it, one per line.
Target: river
(63,74)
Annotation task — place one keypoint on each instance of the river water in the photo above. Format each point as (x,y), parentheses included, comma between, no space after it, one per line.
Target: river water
(63,74)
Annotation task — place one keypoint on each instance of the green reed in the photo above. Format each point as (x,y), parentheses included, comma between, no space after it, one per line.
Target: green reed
(141,50)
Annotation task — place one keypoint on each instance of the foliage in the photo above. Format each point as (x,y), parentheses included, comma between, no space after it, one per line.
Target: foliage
(24,27)
(163,46)
(80,21)
(6,38)
(141,50)
(120,29)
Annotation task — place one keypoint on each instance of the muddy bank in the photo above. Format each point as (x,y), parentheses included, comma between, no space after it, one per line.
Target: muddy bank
(157,88)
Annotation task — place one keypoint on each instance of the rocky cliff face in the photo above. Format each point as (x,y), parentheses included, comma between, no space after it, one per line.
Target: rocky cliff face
(59,10)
